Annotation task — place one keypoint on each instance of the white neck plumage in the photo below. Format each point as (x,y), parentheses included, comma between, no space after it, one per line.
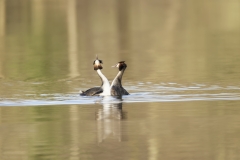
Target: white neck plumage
(105,84)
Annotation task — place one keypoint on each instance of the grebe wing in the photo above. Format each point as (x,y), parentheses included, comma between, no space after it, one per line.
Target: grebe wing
(125,92)
(92,91)
(117,91)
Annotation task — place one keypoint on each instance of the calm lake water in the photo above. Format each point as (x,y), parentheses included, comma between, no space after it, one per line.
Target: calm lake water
(183,78)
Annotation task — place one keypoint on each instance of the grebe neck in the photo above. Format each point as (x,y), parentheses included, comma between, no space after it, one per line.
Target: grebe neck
(105,83)
(118,79)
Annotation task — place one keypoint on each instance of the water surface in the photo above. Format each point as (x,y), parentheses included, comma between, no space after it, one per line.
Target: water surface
(168,130)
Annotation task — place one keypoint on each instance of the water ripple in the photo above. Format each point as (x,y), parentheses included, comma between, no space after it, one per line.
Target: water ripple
(141,92)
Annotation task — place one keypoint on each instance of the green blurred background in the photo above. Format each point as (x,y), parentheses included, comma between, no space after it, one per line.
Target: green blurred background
(160,40)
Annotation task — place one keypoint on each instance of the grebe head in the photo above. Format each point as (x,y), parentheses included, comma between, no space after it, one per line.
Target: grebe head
(120,65)
(97,64)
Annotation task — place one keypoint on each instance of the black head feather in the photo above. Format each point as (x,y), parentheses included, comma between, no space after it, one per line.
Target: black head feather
(122,65)
(100,61)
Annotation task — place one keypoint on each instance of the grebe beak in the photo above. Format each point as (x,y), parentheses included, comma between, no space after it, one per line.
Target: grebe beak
(96,56)
(115,65)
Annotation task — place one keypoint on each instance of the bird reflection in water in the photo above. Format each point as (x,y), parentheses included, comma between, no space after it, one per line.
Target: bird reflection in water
(109,119)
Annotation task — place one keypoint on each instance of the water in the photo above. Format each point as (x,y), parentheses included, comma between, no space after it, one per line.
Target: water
(141,92)
(182,76)
(168,130)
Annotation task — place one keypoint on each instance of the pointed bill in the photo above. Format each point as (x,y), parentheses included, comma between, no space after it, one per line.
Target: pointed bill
(115,65)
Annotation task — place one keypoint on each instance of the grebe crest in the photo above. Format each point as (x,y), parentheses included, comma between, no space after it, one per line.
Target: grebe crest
(121,65)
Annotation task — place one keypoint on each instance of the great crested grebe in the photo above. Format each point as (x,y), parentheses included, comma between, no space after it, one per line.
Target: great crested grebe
(104,89)
(116,86)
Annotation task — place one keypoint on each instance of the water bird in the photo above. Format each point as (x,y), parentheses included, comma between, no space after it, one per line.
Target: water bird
(104,89)
(116,86)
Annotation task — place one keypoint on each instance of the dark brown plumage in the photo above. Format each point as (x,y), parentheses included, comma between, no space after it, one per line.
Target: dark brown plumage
(96,67)
(122,65)
(92,91)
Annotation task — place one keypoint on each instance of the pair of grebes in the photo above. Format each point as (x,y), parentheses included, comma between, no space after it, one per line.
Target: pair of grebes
(115,89)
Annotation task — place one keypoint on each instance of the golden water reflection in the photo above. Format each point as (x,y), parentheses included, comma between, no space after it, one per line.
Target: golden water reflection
(109,119)
(182,130)
(2,36)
